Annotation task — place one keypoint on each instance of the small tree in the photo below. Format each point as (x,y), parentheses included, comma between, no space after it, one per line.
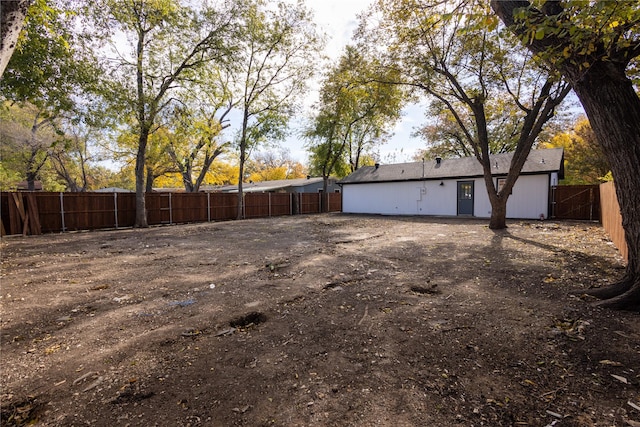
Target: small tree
(278,51)
(354,114)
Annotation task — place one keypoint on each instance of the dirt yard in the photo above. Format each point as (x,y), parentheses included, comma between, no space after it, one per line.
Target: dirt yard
(324,320)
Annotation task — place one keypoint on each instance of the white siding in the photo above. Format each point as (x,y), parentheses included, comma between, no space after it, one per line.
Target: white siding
(529,199)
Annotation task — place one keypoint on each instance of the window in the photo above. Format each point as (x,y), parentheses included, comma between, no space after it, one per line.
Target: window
(501,183)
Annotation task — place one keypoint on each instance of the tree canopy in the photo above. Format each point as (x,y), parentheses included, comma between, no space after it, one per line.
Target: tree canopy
(354,115)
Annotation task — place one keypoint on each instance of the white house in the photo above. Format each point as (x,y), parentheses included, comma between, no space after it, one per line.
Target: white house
(452,187)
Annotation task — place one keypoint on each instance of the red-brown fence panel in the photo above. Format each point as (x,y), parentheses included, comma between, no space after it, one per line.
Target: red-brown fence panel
(189,207)
(309,203)
(126,203)
(576,202)
(256,205)
(56,212)
(280,204)
(260,205)
(50,212)
(611,217)
(334,202)
(224,206)
(88,211)
(158,207)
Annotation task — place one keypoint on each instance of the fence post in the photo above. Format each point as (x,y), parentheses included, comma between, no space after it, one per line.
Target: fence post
(269,204)
(208,206)
(290,203)
(170,211)
(64,228)
(115,207)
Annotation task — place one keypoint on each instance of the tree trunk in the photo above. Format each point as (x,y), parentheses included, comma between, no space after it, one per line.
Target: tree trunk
(31,181)
(12,14)
(141,209)
(324,197)
(613,109)
(498,219)
(148,186)
(240,190)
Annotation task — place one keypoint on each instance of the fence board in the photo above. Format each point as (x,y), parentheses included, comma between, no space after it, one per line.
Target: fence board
(611,217)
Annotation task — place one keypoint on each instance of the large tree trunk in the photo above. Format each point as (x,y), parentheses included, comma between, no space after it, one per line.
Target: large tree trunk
(498,219)
(12,14)
(613,108)
(141,209)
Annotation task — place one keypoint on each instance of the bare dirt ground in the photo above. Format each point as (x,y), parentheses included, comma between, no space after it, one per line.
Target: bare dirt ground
(324,320)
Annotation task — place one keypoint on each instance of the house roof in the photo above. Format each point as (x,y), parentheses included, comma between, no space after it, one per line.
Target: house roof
(538,161)
(265,186)
(113,190)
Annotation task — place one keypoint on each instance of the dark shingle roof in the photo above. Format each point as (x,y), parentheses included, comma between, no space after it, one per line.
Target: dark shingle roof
(265,186)
(538,161)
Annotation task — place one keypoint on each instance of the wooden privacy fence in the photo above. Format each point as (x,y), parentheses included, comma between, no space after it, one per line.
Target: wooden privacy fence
(575,202)
(611,217)
(36,212)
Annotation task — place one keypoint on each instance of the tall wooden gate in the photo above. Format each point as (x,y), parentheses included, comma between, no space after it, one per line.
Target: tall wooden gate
(575,202)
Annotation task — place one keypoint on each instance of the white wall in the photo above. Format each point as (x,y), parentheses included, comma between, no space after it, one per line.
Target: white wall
(529,199)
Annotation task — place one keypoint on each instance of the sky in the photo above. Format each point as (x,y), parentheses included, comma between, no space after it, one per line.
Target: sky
(338,19)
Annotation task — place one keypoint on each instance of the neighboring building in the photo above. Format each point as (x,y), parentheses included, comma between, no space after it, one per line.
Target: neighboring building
(452,187)
(113,190)
(300,185)
(24,186)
